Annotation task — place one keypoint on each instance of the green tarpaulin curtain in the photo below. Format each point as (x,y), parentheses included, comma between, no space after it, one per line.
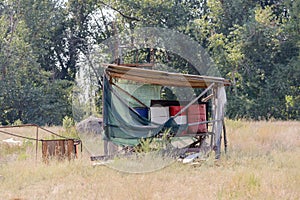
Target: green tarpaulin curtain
(123,125)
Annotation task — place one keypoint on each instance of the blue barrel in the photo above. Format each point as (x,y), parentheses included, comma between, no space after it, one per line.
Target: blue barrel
(142,111)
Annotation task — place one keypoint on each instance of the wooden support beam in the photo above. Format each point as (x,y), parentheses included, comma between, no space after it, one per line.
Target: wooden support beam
(161,77)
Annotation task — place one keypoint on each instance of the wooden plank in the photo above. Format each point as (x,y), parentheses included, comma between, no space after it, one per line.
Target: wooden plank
(45,154)
(162,77)
(165,76)
(159,80)
(153,72)
(138,64)
(70,149)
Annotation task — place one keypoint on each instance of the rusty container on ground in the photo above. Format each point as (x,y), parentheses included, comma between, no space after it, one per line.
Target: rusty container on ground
(60,149)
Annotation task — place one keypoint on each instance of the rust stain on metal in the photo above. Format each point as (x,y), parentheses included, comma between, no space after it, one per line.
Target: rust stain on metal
(59,149)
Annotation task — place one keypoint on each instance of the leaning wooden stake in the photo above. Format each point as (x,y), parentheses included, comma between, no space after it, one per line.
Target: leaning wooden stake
(225,136)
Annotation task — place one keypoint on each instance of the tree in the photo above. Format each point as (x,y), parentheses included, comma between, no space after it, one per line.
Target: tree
(255,44)
(27,92)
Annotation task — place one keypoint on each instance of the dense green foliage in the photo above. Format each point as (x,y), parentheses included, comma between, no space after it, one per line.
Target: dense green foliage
(255,44)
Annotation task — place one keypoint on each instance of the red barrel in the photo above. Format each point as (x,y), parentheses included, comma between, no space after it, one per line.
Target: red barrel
(175,109)
(197,113)
(180,119)
(199,109)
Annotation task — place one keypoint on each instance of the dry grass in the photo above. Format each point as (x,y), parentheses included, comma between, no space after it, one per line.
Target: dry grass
(262,163)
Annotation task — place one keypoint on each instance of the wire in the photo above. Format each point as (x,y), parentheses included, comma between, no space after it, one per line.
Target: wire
(20,136)
(29,138)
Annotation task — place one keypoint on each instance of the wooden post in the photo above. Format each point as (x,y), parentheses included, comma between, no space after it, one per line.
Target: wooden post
(213,115)
(225,136)
(45,154)
(220,102)
(36,143)
(70,149)
(217,125)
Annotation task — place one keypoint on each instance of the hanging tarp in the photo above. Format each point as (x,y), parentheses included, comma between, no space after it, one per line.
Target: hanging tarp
(143,92)
(122,125)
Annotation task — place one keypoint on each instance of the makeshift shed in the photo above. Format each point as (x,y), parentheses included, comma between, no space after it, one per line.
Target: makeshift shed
(125,125)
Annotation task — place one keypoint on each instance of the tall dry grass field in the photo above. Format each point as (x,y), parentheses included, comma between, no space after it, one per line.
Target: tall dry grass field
(263,162)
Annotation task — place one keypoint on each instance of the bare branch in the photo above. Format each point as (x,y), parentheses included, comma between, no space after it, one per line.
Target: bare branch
(121,13)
